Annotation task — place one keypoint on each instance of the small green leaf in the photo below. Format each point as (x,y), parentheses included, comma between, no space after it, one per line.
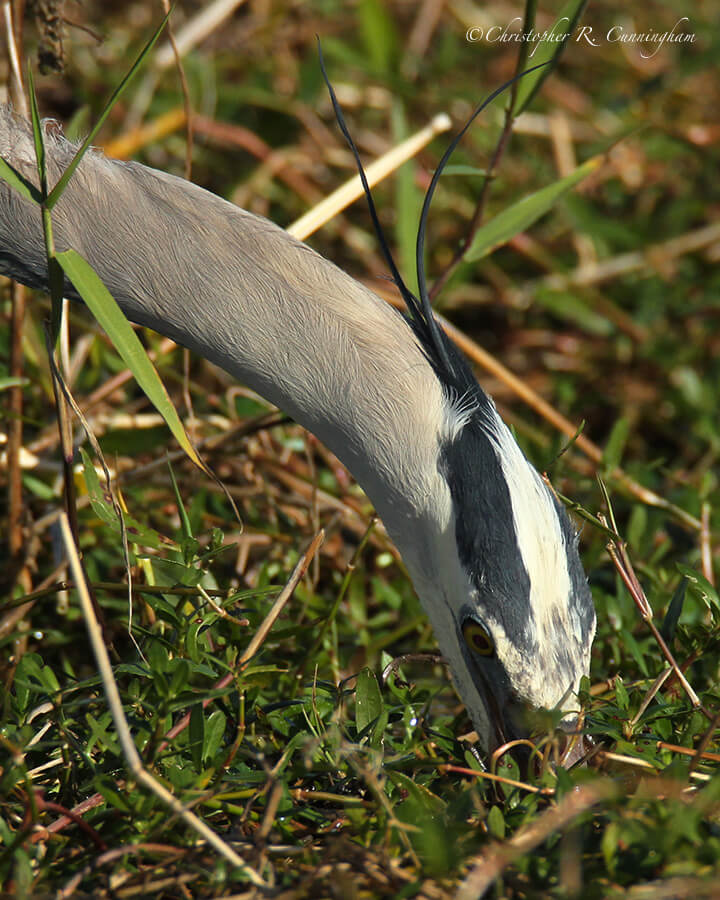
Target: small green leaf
(180,676)
(621,694)
(632,645)
(214,732)
(525,212)
(609,844)
(38,487)
(368,699)
(573,308)
(184,520)
(136,532)
(168,573)
(701,586)
(433,804)
(191,640)
(496,823)
(103,306)
(108,790)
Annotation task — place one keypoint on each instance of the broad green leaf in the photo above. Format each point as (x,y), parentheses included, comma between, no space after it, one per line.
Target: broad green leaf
(521,215)
(368,699)
(548,51)
(57,191)
(19,183)
(103,306)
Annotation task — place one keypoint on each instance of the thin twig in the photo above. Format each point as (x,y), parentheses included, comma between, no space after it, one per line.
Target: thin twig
(704,741)
(185,93)
(648,698)
(132,758)
(16,364)
(617,549)
(282,598)
(375,172)
(492,863)
(195,31)
(624,263)
(706,556)
(498,779)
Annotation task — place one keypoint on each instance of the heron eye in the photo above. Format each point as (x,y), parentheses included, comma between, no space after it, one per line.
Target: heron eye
(478,638)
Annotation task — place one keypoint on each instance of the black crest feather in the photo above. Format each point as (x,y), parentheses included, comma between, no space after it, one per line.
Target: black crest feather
(448,362)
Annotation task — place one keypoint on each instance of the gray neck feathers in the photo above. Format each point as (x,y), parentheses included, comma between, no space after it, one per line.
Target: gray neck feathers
(238,290)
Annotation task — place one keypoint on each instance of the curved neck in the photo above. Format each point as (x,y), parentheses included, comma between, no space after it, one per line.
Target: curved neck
(266,308)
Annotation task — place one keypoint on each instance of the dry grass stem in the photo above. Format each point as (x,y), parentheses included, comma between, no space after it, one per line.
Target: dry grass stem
(491,864)
(352,189)
(112,694)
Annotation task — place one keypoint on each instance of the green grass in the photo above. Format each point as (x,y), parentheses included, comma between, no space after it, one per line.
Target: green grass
(327,778)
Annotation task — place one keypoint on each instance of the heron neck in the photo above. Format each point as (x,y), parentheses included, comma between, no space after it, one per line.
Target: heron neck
(238,290)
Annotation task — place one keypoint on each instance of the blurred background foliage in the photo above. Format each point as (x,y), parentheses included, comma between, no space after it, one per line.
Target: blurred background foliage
(328,784)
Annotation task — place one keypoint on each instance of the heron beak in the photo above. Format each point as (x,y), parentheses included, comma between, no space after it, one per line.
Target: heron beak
(505,724)
(509,723)
(577,745)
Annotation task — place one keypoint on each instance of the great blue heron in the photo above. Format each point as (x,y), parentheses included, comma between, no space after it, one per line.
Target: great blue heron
(490,549)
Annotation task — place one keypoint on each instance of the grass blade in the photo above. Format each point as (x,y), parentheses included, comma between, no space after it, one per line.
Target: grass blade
(522,214)
(368,699)
(57,191)
(19,183)
(548,52)
(103,306)
(37,136)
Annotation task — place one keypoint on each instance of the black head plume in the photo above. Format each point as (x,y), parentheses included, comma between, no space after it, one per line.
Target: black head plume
(449,364)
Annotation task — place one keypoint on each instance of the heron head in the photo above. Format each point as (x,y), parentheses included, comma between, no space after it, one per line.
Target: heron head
(519,617)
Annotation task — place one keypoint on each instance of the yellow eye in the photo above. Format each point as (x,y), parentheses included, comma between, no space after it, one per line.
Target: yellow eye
(477,638)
